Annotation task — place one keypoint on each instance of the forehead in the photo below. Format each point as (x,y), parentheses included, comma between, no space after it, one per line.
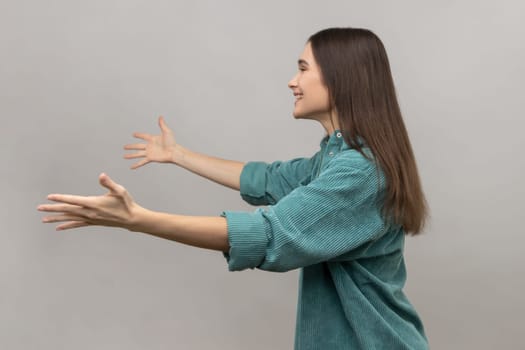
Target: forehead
(307,54)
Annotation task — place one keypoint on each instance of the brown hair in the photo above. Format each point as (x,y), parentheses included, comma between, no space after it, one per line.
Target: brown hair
(355,69)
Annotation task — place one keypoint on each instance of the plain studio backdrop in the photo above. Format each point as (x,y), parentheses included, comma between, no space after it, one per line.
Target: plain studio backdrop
(77,78)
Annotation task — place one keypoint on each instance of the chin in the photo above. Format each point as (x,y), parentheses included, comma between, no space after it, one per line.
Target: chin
(299,115)
(302,116)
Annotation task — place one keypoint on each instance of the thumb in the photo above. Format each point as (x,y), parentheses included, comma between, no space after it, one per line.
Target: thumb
(162,125)
(106,181)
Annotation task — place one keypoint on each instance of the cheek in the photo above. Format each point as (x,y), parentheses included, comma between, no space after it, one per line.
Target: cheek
(323,98)
(327,99)
(318,87)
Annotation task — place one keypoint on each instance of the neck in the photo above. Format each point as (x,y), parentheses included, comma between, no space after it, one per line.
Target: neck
(330,123)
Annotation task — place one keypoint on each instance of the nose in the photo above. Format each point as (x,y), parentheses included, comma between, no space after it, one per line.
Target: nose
(293,82)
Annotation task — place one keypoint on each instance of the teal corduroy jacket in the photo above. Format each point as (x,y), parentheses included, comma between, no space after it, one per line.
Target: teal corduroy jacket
(323,215)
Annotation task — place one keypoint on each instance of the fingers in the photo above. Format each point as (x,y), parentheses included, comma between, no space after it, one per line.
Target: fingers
(135,155)
(62,217)
(71,224)
(143,136)
(135,146)
(63,208)
(70,213)
(81,201)
(140,163)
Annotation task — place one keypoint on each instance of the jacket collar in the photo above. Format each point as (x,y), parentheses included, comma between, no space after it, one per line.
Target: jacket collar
(336,138)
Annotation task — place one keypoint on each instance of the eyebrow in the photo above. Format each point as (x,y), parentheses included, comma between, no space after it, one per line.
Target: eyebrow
(301,61)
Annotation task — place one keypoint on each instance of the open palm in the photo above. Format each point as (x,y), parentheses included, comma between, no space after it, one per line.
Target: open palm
(116,208)
(158,148)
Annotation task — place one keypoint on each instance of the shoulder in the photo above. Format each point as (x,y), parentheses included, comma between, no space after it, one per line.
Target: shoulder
(354,163)
(352,158)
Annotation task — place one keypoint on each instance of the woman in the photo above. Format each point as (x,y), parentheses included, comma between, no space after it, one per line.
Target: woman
(341,215)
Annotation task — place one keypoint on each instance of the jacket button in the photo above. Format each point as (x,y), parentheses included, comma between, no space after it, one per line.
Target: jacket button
(338,134)
(331,154)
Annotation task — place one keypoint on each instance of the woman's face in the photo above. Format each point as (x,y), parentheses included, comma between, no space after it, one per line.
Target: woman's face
(311,95)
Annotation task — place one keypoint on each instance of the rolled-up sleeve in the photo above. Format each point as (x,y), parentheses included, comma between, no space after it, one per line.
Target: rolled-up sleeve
(266,183)
(334,214)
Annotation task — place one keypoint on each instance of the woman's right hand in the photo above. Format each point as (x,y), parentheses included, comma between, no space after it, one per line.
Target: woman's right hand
(158,148)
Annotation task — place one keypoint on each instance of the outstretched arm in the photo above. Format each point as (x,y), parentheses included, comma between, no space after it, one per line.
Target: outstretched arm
(164,149)
(118,209)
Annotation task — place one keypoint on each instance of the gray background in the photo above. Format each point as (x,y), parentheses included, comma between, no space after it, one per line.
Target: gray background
(78,78)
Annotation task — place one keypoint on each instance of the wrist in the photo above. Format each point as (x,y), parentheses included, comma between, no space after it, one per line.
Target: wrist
(138,218)
(178,154)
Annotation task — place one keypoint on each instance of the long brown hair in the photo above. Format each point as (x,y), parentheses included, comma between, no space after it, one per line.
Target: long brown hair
(355,69)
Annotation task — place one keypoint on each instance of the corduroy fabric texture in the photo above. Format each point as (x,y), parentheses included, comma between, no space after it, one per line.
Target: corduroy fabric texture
(323,215)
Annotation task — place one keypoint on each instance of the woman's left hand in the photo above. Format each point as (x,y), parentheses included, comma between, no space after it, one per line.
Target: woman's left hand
(116,208)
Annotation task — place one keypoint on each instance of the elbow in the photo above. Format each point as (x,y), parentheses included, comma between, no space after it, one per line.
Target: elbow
(277,268)
(284,263)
